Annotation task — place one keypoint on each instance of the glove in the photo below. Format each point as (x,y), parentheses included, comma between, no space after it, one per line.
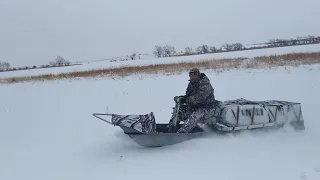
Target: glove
(179,99)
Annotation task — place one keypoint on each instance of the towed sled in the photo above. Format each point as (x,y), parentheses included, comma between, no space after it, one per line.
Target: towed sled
(230,116)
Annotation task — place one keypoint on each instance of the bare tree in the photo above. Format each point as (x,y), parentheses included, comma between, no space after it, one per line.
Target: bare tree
(169,51)
(4,66)
(188,50)
(226,47)
(213,49)
(237,46)
(205,48)
(199,50)
(165,51)
(59,61)
(133,56)
(158,51)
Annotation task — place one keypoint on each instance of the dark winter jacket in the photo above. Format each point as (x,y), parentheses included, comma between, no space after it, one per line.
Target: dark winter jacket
(200,94)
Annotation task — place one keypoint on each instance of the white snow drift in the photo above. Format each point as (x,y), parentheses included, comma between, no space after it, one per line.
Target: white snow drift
(47,130)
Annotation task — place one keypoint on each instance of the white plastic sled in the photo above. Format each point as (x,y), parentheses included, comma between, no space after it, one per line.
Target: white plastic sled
(230,116)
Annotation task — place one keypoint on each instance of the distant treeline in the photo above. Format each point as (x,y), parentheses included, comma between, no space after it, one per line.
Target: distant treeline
(169,51)
(58,62)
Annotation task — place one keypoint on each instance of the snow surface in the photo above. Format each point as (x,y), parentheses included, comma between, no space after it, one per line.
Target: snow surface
(152,61)
(47,130)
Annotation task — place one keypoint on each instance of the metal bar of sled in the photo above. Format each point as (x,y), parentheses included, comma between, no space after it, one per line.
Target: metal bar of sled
(237,128)
(99,114)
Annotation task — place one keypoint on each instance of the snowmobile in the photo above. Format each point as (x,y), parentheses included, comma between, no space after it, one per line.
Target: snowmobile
(230,116)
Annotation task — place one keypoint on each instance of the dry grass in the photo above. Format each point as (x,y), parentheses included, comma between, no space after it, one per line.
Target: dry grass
(293,59)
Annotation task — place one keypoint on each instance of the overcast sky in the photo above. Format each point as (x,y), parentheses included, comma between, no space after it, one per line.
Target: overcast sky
(34,32)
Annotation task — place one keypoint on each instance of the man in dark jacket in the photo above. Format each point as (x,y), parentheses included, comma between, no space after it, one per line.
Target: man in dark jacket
(200,101)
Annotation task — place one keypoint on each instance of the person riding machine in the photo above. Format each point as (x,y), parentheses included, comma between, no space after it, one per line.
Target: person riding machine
(196,106)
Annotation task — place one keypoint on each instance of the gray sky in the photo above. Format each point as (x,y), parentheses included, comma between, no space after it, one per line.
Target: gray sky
(34,32)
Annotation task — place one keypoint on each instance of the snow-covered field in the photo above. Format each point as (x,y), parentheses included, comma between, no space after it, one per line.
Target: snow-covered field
(47,130)
(152,61)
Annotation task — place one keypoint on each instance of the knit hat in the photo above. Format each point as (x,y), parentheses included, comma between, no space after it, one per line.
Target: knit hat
(194,71)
